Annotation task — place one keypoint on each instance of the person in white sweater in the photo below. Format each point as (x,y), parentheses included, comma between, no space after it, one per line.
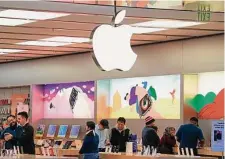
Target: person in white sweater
(102,129)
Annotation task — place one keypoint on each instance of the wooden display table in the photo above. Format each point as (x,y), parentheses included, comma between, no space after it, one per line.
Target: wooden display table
(61,152)
(135,156)
(68,152)
(33,157)
(206,151)
(74,152)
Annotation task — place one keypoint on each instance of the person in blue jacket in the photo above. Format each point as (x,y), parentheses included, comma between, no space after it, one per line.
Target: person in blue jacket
(89,149)
(11,133)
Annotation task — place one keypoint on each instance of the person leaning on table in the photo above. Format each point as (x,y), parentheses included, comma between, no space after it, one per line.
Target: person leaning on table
(89,149)
(188,135)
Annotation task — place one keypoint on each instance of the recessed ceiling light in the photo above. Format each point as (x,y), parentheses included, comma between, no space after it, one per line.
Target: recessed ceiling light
(33,15)
(14,22)
(43,43)
(167,24)
(67,39)
(5,51)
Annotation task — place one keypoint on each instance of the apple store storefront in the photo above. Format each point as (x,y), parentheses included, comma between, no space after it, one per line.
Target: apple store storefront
(112,79)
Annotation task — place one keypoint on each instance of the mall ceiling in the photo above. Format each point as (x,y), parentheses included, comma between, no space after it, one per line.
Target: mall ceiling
(37,29)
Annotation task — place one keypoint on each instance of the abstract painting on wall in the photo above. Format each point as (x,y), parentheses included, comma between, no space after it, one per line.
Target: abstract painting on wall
(204,95)
(69,100)
(135,98)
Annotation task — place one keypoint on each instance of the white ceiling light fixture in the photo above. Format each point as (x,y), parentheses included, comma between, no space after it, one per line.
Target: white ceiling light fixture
(43,43)
(14,22)
(33,15)
(167,24)
(56,41)
(6,51)
(67,39)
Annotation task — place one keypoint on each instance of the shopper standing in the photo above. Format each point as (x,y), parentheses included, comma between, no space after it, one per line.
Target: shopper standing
(120,135)
(149,134)
(26,140)
(89,149)
(12,133)
(168,141)
(102,129)
(189,135)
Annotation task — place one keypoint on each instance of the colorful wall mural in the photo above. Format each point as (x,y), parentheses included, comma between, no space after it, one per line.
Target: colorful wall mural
(136,98)
(204,95)
(69,100)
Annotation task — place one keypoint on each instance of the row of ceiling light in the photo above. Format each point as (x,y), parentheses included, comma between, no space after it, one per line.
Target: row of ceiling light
(20,17)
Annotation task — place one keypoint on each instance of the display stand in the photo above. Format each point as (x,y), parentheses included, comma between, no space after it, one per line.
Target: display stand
(51,145)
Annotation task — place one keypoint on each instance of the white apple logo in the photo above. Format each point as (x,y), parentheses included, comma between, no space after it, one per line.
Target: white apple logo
(111,45)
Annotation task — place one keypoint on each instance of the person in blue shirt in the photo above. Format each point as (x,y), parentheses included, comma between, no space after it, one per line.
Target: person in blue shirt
(12,133)
(189,135)
(89,149)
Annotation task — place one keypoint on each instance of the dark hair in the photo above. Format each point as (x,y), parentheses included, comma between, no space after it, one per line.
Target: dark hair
(91,125)
(150,122)
(23,114)
(122,120)
(194,119)
(155,128)
(13,116)
(104,123)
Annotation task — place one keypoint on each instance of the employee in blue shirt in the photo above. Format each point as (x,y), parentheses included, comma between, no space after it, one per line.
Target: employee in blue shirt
(12,133)
(189,135)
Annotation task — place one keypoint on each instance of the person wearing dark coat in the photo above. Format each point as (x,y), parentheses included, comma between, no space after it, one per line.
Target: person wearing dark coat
(167,141)
(149,134)
(120,135)
(89,148)
(26,139)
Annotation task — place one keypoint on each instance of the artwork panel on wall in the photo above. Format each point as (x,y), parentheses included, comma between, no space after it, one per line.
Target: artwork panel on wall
(208,99)
(20,103)
(135,98)
(69,100)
